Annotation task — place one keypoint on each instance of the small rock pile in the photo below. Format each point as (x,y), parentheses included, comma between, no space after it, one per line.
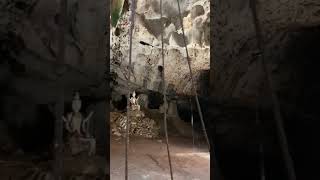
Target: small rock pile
(139,125)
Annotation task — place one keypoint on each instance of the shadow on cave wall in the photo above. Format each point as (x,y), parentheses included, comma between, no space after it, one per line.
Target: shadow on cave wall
(302,113)
(31,125)
(236,136)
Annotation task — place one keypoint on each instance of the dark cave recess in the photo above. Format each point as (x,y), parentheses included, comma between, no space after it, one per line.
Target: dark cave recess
(299,96)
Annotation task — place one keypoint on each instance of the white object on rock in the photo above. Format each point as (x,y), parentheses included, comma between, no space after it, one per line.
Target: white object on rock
(77,125)
(134,102)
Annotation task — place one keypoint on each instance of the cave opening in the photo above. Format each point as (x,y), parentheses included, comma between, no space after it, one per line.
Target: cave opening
(297,89)
(301,97)
(237,137)
(24,120)
(187,111)
(303,53)
(296,80)
(121,104)
(28,136)
(155,100)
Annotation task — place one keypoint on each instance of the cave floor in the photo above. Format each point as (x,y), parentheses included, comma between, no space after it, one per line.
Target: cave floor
(18,167)
(147,159)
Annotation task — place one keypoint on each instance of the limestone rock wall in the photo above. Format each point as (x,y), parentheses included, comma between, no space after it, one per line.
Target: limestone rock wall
(146,57)
(29,35)
(235,70)
(30,69)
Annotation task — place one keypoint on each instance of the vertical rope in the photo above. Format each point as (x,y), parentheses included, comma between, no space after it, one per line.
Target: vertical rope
(295,10)
(276,106)
(59,109)
(211,150)
(132,8)
(165,95)
(191,107)
(192,80)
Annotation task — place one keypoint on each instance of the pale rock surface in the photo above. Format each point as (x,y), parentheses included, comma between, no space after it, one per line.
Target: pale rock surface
(146,59)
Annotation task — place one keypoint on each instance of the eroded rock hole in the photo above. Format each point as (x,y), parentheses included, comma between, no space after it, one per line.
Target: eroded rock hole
(117,31)
(155,100)
(160,69)
(145,43)
(187,110)
(197,11)
(30,125)
(120,104)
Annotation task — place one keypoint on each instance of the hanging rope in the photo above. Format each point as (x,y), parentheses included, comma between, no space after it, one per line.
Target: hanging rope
(165,95)
(276,106)
(59,109)
(191,107)
(192,80)
(295,10)
(217,174)
(132,8)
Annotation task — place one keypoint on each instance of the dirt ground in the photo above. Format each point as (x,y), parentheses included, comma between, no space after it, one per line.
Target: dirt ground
(148,159)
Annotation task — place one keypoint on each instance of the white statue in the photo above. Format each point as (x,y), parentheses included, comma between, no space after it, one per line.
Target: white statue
(134,102)
(77,125)
(74,121)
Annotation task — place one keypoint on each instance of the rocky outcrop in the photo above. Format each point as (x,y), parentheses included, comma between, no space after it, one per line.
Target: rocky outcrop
(30,40)
(290,30)
(146,57)
(31,72)
(235,68)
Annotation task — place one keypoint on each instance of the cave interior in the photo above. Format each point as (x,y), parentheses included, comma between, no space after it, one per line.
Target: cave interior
(243,148)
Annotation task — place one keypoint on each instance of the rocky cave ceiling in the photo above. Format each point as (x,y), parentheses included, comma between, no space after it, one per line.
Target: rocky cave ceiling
(146,57)
(231,67)
(29,32)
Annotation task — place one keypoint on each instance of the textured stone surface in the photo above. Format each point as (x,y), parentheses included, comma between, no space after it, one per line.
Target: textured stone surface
(235,71)
(29,36)
(146,59)
(31,72)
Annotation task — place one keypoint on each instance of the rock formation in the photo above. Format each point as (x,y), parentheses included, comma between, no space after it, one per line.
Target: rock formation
(29,47)
(30,64)
(146,57)
(235,68)
(290,30)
